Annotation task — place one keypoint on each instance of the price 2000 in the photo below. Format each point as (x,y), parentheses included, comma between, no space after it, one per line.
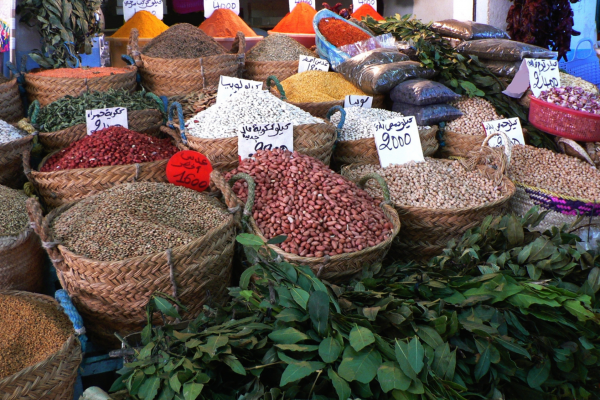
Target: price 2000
(393,142)
(190,179)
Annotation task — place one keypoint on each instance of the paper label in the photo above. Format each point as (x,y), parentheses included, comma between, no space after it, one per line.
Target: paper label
(357,3)
(211,5)
(190,169)
(255,137)
(102,118)
(398,141)
(511,127)
(130,7)
(358,101)
(228,86)
(536,73)
(294,3)
(308,63)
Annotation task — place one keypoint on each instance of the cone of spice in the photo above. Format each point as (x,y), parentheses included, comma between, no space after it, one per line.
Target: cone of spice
(183,41)
(298,21)
(224,23)
(366,10)
(145,22)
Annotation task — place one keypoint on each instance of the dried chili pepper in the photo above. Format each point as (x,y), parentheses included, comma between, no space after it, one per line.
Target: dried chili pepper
(340,33)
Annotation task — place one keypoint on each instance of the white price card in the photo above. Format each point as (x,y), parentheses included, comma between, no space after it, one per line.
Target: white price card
(510,126)
(294,3)
(102,118)
(539,74)
(358,101)
(398,141)
(228,86)
(255,137)
(211,5)
(130,7)
(356,4)
(308,63)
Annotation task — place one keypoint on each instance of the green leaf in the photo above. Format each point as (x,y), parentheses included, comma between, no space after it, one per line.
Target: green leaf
(361,337)
(515,348)
(429,336)
(174,383)
(401,350)
(166,307)
(539,374)
(297,371)
(192,390)
(341,386)
(287,336)
(235,365)
(146,351)
(166,394)
(297,347)
(149,389)
(248,239)
(514,231)
(578,310)
(246,276)
(277,239)
(360,366)
(416,352)
(541,248)
(300,297)
(318,309)
(292,315)
(483,365)
(402,395)
(213,344)
(391,377)
(441,360)
(329,350)
(135,382)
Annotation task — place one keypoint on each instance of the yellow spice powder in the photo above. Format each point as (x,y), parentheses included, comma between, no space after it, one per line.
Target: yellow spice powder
(318,86)
(146,23)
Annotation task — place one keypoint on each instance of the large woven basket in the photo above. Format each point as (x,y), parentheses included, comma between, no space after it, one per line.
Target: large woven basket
(50,379)
(11,107)
(47,89)
(332,268)
(173,77)
(11,164)
(112,295)
(460,145)
(262,70)
(315,140)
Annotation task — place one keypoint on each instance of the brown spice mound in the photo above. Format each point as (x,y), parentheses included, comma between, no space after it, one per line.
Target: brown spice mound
(183,41)
(96,72)
(30,332)
(13,213)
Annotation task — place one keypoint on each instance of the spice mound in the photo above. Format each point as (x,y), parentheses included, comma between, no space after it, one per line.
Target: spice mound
(278,47)
(475,111)
(194,102)
(225,23)
(321,212)
(183,41)
(9,133)
(574,98)
(340,33)
(437,184)
(83,72)
(366,10)
(30,332)
(137,219)
(359,121)
(13,213)
(300,20)
(318,86)
(111,146)
(147,24)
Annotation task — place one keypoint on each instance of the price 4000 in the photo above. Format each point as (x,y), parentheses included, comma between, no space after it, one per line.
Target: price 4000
(392,142)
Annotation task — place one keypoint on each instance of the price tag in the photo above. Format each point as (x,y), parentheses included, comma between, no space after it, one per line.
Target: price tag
(358,101)
(255,137)
(228,86)
(536,73)
(190,169)
(398,141)
(130,7)
(308,63)
(96,120)
(294,3)
(211,5)
(511,127)
(357,3)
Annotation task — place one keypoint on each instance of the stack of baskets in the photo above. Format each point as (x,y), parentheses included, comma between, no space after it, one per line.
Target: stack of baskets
(11,108)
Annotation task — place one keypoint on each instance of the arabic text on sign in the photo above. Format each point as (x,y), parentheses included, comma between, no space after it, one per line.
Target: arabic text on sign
(397,141)
(358,101)
(510,126)
(543,75)
(130,7)
(190,169)
(294,3)
(308,63)
(228,86)
(252,138)
(96,120)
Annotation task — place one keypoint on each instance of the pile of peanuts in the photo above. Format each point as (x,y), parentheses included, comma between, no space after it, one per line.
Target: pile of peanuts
(437,184)
(320,212)
(475,111)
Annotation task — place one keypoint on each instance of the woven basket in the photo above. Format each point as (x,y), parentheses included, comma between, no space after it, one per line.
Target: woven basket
(460,145)
(50,379)
(261,70)
(173,77)
(11,107)
(47,89)
(22,262)
(338,267)
(112,295)
(315,140)
(11,163)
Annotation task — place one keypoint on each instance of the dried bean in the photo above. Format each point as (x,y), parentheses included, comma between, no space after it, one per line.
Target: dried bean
(8,133)
(475,111)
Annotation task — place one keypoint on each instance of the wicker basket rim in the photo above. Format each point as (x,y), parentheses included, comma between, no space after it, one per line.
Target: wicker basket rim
(210,58)
(554,194)
(18,142)
(130,69)
(8,242)
(97,170)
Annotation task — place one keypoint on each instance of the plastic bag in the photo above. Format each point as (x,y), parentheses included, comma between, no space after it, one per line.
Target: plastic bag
(468,30)
(504,50)
(408,49)
(422,92)
(428,115)
(386,41)
(454,42)
(502,68)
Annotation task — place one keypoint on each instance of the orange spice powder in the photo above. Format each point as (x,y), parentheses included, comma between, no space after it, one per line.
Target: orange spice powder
(364,10)
(225,23)
(95,72)
(298,21)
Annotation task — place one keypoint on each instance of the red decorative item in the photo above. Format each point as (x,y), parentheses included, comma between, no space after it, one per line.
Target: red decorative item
(564,122)
(190,169)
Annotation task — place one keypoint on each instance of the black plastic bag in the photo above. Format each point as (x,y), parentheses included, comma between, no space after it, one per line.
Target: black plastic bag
(422,92)
(468,30)
(502,68)
(428,115)
(504,50)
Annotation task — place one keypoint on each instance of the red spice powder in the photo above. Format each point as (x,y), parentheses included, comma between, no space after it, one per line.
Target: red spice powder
(95,72)
(225,23)
(298,21)
(364,10)
(340,33)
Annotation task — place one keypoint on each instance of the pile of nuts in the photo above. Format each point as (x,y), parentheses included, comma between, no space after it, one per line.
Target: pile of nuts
(8,133)
(558,173)
(437,184)
(30,332)
(475,111)
(570,80)
(13,213)
(138,219)
(320,212)
(111,146)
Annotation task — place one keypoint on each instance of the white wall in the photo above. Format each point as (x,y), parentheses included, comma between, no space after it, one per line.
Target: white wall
(431,10)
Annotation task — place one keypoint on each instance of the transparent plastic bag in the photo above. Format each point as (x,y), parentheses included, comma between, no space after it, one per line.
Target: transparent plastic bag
(386,41)
(422,92)
(454,42)
(502,68)
(408,49)
(468,30)
(504,50)
(428,115)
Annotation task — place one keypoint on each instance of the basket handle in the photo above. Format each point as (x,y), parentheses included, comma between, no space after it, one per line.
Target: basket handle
(577,48)
(507,147)
(133,47)
(332,111)
(33,111)
(65,302)
(251,193)
(158,100)
(128,59)
(384,186)
(273,79)
(176,106)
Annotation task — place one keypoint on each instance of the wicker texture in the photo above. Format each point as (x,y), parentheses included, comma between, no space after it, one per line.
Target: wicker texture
(459,145)
(261,70)
(11,164)
(22,262)
(51,379)
(47,89)
(564,122)
(11,107)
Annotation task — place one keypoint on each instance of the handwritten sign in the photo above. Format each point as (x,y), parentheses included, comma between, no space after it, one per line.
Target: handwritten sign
(228,86)
(130,7)
(308,63)
(358,101)
(211,5)
(536,73)
(96,120)
(294,3)
(255,137)
(398,141)
(190,169)
(357,3)
(511,127)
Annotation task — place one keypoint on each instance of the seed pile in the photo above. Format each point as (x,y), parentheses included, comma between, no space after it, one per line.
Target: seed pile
(83,72)
(194,102)
(555,172)
(475,111)
(138,219)
(13,213)
(278,47)
(111,146)
(436,184)
(183,41)
(30,332)
(321,212)
(8,133)
(245,107)
(570,80)
(318,86)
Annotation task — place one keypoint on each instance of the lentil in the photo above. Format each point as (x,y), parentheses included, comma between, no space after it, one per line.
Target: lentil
(340,33)
(318,86)
(8,133)
(83,72)
(225,23)
(13,213)
(137,219)
(278,47)
(30,332)
(300,20)
(321,212)
(475,111)
(183,41)
(147,24)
